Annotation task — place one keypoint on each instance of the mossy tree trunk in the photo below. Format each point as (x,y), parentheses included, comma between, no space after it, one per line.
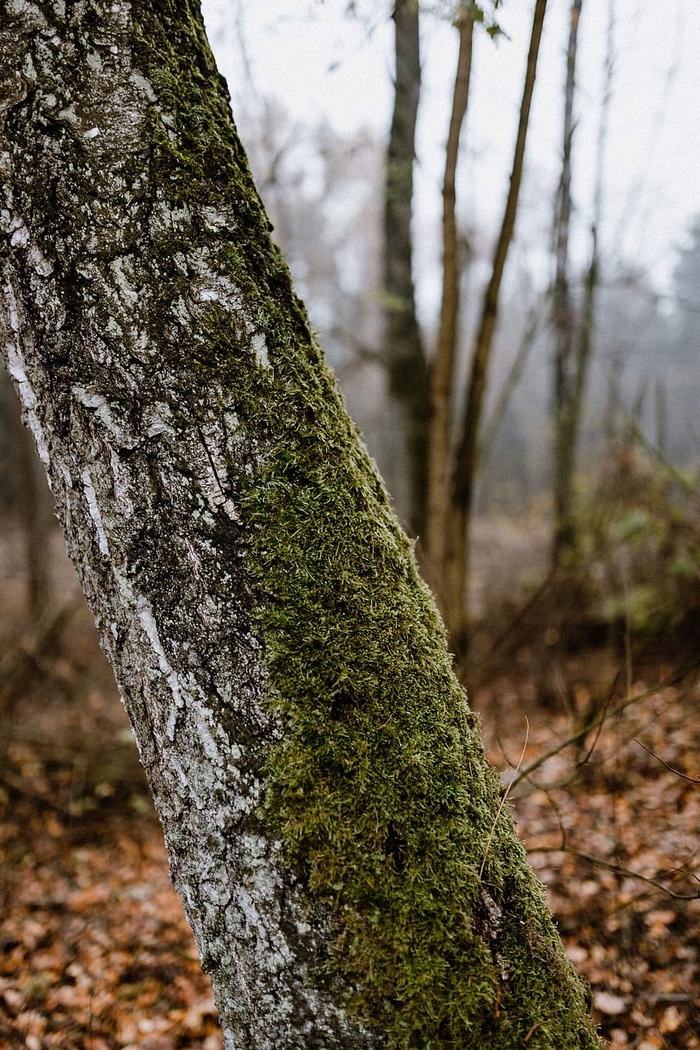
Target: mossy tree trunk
(340,844)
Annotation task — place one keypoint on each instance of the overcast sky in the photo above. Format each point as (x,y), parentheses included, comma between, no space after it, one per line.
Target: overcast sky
(320,63)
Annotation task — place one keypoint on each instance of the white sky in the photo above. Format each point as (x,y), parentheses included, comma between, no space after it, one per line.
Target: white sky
(320,63)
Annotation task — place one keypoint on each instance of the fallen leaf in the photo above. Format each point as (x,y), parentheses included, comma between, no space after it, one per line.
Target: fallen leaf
(608,1003)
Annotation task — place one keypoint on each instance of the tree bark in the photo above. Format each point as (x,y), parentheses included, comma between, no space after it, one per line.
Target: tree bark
(403,343)
(443,364)
(35,518)
(341,846)
(458,557)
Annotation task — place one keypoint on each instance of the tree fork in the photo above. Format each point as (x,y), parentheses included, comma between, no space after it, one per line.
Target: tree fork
(340,844)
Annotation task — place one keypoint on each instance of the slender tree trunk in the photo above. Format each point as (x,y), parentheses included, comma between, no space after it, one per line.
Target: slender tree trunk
(403,344)
(467,455)
(575,347)
(443,365)
(537,318)
(564,321)
(341,846)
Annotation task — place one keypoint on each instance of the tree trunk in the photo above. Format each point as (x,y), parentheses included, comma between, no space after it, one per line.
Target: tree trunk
(563,319)
(467,456)
(443,364)
(341,846)
(575,343)
(403,345)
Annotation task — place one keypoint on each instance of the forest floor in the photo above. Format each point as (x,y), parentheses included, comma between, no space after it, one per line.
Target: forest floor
(95,952)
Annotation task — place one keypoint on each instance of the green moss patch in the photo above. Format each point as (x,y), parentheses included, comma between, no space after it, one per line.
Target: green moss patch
(380,790)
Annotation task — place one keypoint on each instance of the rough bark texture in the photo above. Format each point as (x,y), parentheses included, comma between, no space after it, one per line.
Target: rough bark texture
(341,846)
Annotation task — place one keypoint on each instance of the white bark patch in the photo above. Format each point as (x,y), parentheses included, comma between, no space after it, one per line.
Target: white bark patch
(147,621)
(91,497)
(20,237)
(40,264)
(121,485)
(203,721)
(103,411)
(212,287)
(260,350)
(215,219)
(69,115)
(17,369)
(123,272)
(212,472)
(143,86)
(29,70)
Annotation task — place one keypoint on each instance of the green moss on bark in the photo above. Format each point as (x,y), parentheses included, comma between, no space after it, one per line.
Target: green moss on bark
(379,789)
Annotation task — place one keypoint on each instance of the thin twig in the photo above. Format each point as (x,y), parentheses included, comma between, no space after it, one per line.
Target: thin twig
(606,714)
(42,637)
(599,728)
(517,619)
(504,799)
(676,772)
(620,870)
(21,787)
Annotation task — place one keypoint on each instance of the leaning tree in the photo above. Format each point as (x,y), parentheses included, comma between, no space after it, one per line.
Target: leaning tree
(342,848)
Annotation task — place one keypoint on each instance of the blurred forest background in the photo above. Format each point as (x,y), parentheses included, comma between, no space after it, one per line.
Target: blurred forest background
(515,325)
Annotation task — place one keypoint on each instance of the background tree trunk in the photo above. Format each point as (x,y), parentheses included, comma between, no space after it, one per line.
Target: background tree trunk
(574,341)
(564,319)
(457,566)
(443,364)
(341,846)
(403,344)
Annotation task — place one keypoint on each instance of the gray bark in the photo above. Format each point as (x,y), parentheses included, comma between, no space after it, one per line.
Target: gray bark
(106,276)
(341,847)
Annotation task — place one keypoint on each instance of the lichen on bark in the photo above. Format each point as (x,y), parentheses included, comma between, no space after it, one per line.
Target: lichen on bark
(339,840)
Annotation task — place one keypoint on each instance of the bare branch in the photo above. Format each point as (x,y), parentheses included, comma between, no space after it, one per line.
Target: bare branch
(676,772)
(619,869)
